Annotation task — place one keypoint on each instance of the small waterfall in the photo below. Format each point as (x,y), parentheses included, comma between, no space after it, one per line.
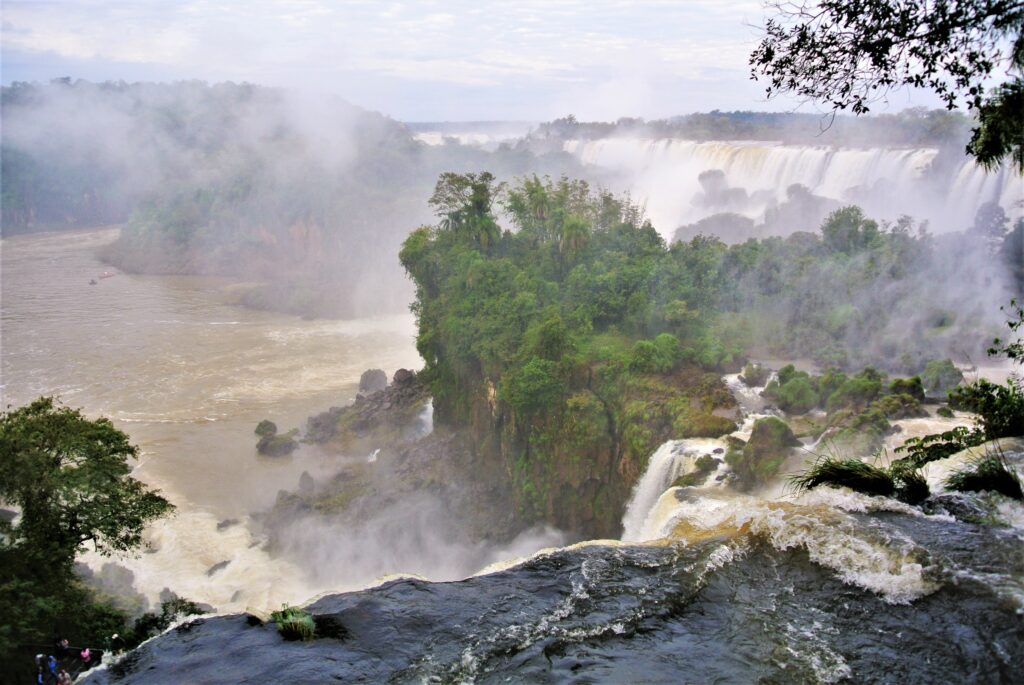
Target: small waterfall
(673,459)
(646,510)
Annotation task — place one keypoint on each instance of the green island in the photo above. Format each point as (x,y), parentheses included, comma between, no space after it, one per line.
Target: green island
(573,341)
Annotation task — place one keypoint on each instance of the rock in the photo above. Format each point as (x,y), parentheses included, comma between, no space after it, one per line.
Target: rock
(964,508)
(322,427)
(266,428)
(373,380)
(278,445)
(705,466)
(755,375)
(403,377)
(227,523)
(306,483)
(760,459)
(217,567)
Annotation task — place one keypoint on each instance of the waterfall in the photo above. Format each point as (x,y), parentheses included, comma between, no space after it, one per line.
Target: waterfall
(670,461)
(645,511)
(887,182)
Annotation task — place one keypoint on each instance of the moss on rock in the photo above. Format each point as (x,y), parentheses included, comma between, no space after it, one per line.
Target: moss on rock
(755,375)
(278,445)
(762,455)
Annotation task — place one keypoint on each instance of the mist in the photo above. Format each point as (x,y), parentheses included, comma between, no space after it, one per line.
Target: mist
(419,291)
(418,536)
(301,199)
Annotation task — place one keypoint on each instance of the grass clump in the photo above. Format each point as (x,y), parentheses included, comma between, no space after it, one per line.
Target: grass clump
(294,623)
(901,480)
(850,473)
(987,472)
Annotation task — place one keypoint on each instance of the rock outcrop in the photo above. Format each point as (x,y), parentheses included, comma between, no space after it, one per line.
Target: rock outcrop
(373,421)
(373,380)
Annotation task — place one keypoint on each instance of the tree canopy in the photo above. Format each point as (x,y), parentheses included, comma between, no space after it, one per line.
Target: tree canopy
(849,54)
(65,483)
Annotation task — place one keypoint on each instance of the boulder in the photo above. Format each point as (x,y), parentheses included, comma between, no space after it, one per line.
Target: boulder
(762,455)
(266,428)
(966,508)
(755,375)
(278,445)
(403,377)
(373,380)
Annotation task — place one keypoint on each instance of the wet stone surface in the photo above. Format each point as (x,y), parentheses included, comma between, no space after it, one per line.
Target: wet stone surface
(723,610)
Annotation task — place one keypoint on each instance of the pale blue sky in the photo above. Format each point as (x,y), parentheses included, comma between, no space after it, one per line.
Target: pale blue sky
(457,60)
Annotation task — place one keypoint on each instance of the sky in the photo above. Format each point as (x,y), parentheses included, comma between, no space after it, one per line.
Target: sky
(457,60)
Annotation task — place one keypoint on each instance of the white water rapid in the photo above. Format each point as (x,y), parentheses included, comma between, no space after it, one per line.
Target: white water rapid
(823,521)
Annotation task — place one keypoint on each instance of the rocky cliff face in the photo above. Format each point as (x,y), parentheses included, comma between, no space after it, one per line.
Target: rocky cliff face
(575,468)
(499,472)
(407,457)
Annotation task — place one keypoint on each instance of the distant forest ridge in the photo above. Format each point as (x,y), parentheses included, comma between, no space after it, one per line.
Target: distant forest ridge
(916,127)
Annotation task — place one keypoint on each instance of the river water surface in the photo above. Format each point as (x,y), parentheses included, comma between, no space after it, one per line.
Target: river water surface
(187,376)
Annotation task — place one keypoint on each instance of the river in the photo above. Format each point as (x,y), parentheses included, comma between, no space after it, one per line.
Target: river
(187,375)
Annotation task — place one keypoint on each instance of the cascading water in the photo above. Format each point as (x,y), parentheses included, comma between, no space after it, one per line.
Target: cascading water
(673,459)
(824,522)
(887,182)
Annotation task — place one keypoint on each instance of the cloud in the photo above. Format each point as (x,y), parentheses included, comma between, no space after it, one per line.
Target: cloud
(458,59)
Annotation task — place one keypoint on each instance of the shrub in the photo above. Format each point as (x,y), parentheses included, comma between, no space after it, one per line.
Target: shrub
(908,386)
(668,351)
(856,392)
(294,623)
(923,450)
(702,425)
(797,396)
(789,372)
(1000,407)
(901,406)
(534,387)
(765,452)
(754,375)
(940,376)
(643,356)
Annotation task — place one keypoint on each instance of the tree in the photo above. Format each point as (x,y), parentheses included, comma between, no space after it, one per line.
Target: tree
(66,482)
(848,230)
(990,221)
(464,202)
(849,54)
